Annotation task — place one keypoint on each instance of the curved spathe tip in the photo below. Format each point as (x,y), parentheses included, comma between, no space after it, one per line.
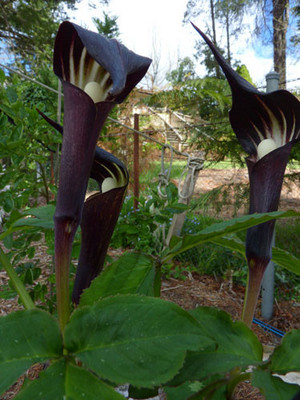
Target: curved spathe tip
(82,56)
(257,116)
(234,79)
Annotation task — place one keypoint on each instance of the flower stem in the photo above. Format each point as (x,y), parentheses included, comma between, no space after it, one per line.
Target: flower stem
(64,234)
(255,274)
(18,284)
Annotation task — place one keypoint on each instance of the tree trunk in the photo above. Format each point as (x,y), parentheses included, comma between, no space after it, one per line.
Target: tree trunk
(228,39)
(213,24)
(280,25)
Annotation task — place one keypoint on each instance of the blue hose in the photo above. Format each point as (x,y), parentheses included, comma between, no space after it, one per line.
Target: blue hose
(268,328)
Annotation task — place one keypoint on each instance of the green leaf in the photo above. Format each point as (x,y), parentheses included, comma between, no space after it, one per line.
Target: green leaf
(133,339)
(286,260)
(39,217)
(286,357)
(8,203)
(281,257)
(237,346)
(81,384)
(179,245)
(2,76)
(11,94)
(16,281)
(26,337)
(49,386)
(176,208)
(183,391)
(64,381)
(272,387)
(132,273)
(213,389)
(43,217)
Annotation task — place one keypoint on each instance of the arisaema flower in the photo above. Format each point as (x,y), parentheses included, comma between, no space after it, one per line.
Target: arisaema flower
(100,214)
(96,74)
(267,125)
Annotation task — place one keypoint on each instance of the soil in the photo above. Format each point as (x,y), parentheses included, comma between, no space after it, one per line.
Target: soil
(198,290)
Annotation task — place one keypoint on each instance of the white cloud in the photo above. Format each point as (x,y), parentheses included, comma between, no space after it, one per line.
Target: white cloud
(156,26)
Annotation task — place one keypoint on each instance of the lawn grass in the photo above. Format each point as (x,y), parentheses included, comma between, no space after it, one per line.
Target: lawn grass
(177,168)
(152,173)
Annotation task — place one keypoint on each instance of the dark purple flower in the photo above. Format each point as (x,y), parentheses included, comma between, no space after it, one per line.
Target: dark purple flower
(267,125)
(100,214)
(96,74)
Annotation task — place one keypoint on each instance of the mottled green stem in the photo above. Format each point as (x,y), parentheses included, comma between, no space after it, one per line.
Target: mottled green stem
(256,270)
(64,235)
(18,284)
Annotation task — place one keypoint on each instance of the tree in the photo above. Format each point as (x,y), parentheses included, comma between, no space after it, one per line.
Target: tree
(228,13)
(280,26)
(272,23)
(108,27)
(185,71)
(193,11)
(273,18)
(155,76)
(295,39)
(28,29)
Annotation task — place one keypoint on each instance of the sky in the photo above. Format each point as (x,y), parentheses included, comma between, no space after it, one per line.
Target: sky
(154,29)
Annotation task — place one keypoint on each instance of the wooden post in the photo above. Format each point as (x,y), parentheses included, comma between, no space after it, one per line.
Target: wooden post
(136,162)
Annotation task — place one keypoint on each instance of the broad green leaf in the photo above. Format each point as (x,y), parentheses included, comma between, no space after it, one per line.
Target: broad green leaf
(286,260)
(43,217)
(11,94)
(64,381)
(81,384)
(179,245)
(281,257)
(132,273)
(183,391)
(49,386)
(133,339)
(213,389)
(39,217)
(26,337)
(272,387)
(286,357)
(237,346)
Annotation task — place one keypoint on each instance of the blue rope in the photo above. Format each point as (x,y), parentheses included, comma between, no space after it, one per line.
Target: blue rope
(269,328)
